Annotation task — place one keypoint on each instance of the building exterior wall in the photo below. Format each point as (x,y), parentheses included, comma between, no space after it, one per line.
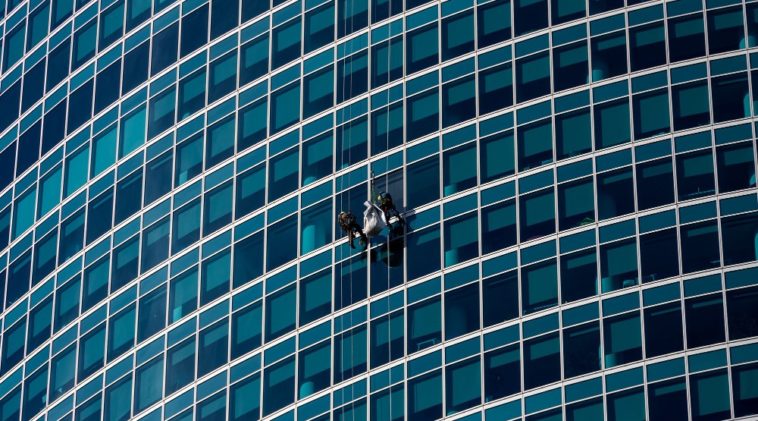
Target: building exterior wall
(578,180)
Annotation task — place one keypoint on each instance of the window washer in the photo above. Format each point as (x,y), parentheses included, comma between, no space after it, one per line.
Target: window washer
(349,224)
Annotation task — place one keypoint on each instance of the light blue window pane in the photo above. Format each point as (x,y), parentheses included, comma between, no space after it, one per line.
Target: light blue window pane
(104,150)
(38,25)
(149,387)
(245,399)
(710,396)
(651,115)
(62,371)
(183,295)
(280,313)
(224,70)
(463,386)
(218,208)
(189,159)
(23,212)
(191,94)
(421,45)
(622,339)
(315,297)
(627,406)
(121,333)
(539,287)
(50,191)
(133,130)
(220,141)
(111,23)
(84,43)
(460,169)
(118,401)
(14,47)
(316,226)
(76,170)
(318,159)
(461,239)
(285,108)
(425,397)
(216,277)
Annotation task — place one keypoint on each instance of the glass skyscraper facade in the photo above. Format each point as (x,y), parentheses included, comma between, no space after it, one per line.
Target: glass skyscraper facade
(577,177)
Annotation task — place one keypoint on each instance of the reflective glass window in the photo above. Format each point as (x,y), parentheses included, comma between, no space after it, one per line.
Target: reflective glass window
(622,339)
(655,183)
(581,349)
(542,361)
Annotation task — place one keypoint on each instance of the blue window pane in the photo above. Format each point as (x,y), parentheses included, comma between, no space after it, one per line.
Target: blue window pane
(285,43)
(195,30)
(622,339)
(319,27)
(91,352)
(663,327)
(251,191)
(245,399)
(461,239)
(248,259)
(424,325)
(502,372)
(246,329)
(121,332)
(148,384)
(425,396)
(352,142)
(191,95)
(217,208)
(581,349)
(254,57)
(283,174)
(118,400)
(62,372)
(278,385)
(421,48)
(457,35)
(458,101)
(215,277)
(542,361)
(285,107)
(422,114)
(423,252)
(180,365)
(314,369)
(539,287)
(252,126)
(315,297)
(318,92)
(183,295)
(350,357)
(350,284)
(213,347)
(463,389)
(189,159)
(284,250)
(152,313)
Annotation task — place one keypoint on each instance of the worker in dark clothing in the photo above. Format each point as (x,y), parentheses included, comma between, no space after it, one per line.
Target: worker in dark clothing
(387,206)
(350,226)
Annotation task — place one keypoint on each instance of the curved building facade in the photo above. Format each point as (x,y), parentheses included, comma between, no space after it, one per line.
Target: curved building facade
(577,180)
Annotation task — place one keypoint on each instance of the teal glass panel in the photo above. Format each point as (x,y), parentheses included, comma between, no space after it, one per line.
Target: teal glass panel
(285,107)
(459,169)
(183,295)
(76,170)
(23,212)
(216,277)
(50,191)
(132,132)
